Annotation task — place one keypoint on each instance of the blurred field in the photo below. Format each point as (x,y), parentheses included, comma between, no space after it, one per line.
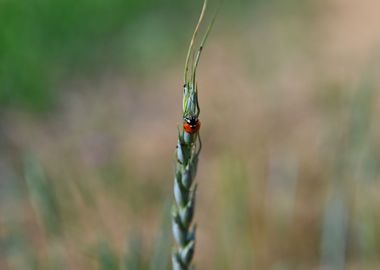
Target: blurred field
(90,96)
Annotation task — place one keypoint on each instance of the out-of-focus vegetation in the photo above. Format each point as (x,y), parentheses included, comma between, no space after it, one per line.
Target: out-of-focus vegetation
(90,96)
(45,42)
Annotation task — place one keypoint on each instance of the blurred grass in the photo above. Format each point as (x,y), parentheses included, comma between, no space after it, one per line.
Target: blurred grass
(43,198)
(41,41)
(44,42)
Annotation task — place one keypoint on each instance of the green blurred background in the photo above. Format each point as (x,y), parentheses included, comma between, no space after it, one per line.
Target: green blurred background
(90,101)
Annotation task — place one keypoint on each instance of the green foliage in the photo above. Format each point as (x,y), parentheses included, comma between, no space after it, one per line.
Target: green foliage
(45,41)
(107,258)
(43,197)
(160,259)
(133,259)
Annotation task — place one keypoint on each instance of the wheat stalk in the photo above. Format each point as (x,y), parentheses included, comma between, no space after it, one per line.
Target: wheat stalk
(188,148)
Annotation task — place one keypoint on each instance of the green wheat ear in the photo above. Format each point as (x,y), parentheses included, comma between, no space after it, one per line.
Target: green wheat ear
(188,149)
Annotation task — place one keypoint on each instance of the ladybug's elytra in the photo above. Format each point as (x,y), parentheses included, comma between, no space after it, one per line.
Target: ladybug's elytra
(191,124)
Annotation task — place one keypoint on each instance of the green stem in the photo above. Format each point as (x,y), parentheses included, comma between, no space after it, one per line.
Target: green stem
(188,149)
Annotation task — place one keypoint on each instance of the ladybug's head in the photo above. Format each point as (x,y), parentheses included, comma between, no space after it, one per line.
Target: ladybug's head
(191,120)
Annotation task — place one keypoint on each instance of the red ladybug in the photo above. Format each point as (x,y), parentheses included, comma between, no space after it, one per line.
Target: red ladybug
(191,124)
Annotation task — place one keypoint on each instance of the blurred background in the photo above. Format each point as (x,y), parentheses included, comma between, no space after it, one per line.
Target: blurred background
(90,101)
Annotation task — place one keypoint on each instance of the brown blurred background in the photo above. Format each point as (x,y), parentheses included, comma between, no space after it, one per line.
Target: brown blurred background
(90,96)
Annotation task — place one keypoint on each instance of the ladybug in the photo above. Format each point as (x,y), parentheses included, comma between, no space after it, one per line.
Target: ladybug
(191,124)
